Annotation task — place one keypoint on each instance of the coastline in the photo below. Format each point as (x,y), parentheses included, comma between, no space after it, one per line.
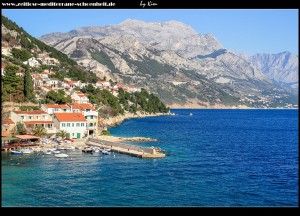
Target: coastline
(114,121)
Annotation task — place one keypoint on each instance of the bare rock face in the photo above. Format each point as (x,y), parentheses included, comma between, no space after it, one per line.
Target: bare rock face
(178,64)
(282,67)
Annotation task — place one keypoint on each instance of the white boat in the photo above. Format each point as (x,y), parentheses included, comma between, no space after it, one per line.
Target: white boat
(70,147)
(61,155)
(105,152)
(16,152)
(191,114)
(48,153)
(56,152)
(27,151)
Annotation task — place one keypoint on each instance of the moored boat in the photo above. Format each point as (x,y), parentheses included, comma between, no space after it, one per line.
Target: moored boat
(61,155)
(16,152)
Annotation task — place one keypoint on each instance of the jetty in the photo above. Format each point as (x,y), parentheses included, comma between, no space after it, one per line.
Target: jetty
(133,150)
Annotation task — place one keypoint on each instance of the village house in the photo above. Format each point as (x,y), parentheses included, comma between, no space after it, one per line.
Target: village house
(101,84)
(53,108)
(79,97)
(31,119)
(73,123)
(90,114)
(7,125)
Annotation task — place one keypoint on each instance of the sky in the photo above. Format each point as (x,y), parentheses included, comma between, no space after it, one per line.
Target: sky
(246,30)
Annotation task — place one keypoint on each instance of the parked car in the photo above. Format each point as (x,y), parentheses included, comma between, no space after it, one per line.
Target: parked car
(68,139)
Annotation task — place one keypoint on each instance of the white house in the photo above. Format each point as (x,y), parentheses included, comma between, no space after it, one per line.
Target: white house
(102,84)
(73,123)
(79,97)
(53,108)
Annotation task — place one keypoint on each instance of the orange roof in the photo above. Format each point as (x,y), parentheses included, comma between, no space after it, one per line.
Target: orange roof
(5,134)
(38,122)
(33,112)
(47,88)
(8,121)
(83,106)
(44,72)
(62,106)
(70,117)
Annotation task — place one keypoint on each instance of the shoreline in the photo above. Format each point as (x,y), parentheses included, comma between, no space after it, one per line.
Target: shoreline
(114,121)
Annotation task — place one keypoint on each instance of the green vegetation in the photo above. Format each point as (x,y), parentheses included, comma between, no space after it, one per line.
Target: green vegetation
(132,102)
(12,85)
(62,134)
(104,59)
(28,85)
(20,54)
(21,130)
(105,133)
(27,108)
(40,131)
(149,66)
(58,97)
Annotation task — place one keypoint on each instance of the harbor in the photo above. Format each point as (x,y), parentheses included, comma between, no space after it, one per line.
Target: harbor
(129,149)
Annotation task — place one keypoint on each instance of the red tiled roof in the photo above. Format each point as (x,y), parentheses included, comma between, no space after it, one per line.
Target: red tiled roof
(70,117)
(33,112)
(7,121)
(47,88)
(38,122)
(5,134)
(84,106)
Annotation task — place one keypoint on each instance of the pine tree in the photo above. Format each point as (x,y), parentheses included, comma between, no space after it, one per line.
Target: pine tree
(28,84)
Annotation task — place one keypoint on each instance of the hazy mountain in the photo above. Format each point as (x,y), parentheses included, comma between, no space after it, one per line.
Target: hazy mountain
(172,60)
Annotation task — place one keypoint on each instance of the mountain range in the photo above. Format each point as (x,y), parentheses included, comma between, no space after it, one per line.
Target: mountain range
(181,65)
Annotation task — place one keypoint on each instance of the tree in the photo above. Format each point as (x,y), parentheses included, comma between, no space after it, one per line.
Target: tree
(62,134)
(21,130)
(28,85)
(40,131)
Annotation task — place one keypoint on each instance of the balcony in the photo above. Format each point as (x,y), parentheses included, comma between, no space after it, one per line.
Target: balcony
(90,113)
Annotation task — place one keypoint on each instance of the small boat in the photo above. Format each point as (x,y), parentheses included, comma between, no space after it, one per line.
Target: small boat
(27,151)
(61,155)
(48,153)
(191,114)
(56,152)
(105,152)
(16,152)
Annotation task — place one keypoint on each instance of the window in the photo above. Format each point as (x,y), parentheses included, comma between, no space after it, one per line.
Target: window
(56,109)
(91,124)
(82,124)
(65,110)
(22,117)
(92,117)
(94,124)
(72,134)
(30,117)
(72,124)
(77,124)
(68,124)
(87,110)
(63,125)
(37,117)
(86,117)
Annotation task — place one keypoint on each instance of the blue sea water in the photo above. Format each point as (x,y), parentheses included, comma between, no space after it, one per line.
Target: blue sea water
(214,158)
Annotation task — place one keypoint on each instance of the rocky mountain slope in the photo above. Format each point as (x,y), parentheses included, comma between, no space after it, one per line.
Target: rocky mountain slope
(174,61)
(282,68)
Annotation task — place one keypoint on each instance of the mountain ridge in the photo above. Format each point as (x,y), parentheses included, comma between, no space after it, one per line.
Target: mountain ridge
(134,51)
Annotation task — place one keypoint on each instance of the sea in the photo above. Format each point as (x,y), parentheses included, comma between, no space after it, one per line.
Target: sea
(214,158)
